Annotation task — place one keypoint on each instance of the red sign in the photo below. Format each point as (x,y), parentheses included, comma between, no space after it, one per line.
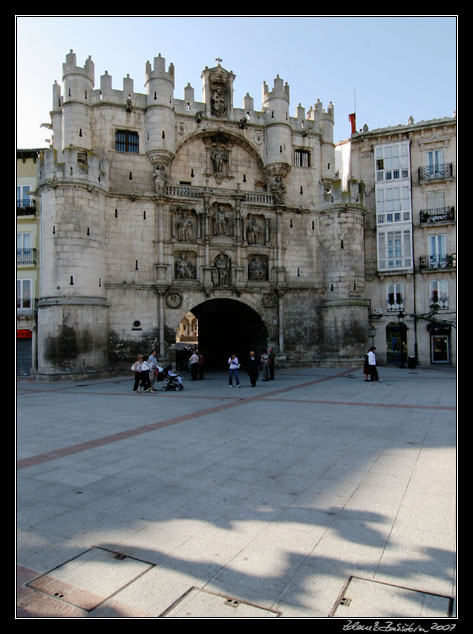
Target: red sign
(24,334)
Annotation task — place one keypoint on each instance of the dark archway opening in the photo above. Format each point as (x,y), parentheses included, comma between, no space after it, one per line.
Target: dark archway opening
(227,326)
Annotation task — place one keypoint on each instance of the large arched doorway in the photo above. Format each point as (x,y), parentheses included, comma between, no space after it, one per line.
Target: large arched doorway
(226,326)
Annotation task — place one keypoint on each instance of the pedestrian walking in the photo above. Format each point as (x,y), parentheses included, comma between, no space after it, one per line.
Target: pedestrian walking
(272,361)
(201,365)
(372,365)
(254,366)
(233,366)
(194,364)
(265,365)
(136,368)
(145,367)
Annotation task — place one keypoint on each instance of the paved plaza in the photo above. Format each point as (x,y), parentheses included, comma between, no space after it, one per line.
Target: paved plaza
(315,495)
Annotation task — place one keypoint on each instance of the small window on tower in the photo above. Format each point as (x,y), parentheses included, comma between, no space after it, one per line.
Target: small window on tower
(126,141)
(302,158)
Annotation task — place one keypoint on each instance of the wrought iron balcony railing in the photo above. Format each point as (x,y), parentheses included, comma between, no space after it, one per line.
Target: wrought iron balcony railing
(435,172)
(26,207)
(26,256)
(442,214)
(436,262)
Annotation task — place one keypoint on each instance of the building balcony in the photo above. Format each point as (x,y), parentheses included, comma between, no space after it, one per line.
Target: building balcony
(26,207)
(433,216)
(429,173)
(26,256)
(438,262)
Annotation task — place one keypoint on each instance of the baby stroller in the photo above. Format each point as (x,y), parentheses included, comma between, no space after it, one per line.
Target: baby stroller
(173,381)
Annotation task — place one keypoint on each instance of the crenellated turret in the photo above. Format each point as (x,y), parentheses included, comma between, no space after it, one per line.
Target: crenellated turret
(278,128)
(78,84)
(160,114)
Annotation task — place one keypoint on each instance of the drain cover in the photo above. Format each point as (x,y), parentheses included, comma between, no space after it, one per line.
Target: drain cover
(198,603)
(367,598)
(89,579)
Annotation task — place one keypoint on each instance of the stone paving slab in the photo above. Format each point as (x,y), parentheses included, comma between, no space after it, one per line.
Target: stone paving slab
(272,497)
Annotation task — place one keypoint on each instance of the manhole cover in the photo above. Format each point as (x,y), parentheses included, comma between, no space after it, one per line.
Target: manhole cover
(367,598)
(89,579)
(198,603)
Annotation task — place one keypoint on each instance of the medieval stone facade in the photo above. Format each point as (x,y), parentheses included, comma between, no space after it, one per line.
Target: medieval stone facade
(153,206)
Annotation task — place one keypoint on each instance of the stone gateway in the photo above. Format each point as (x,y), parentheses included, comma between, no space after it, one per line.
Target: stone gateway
(153,206)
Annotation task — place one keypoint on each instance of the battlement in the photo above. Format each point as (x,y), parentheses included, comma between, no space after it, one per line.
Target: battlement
(159,70)
(72,165)
(280,90)
(70,67)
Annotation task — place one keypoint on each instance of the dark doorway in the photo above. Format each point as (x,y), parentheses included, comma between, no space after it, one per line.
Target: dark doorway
(396,343)
(227,326)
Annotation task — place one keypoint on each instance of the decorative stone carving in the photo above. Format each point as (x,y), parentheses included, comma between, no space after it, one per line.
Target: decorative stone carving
(254,230)
(221,270)
(278,189)
(258,269)
(219,107)
(222,222)
(160,179)
(173,300)
(185,226)
(219,158)
(184,267)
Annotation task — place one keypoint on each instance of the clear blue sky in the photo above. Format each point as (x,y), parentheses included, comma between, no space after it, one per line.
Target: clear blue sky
(391,67)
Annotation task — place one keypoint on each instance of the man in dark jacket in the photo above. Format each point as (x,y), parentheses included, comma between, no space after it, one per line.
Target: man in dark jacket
(254,367)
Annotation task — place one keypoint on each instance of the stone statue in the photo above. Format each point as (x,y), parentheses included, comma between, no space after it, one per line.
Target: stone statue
(252,231)
(184,268)
(258,270)
(221,224)
(218,103)
(278,190)
(219,157)
(184,227)
(222,269)
(160,179)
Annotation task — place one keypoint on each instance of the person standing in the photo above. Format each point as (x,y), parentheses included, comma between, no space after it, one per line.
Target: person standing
(194,363)
(153,365)
(366,368)
(136,368)
(253,368)
(233,365)
(201,365)
(265,364)
(145,367)
(372,364)
(272,361)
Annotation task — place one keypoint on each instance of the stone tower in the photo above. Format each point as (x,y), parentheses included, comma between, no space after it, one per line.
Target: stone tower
(153,206)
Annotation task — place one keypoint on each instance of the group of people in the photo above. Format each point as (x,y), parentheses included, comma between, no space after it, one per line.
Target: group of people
(253,366)
(146,368)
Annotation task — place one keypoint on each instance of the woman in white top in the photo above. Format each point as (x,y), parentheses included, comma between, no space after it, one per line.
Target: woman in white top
(145,368)
(233,365)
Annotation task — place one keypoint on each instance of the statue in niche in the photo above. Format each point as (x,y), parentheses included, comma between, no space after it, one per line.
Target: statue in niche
(221,271)
(219,156)
(160,179)
(221,223)
(185,227)
(258,270)
(252,231)
(184,268)
(218,103)
(278,190)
